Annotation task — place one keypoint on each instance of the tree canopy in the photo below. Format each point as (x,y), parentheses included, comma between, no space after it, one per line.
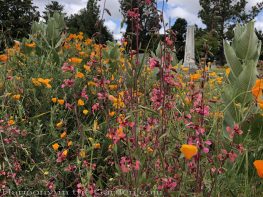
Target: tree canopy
(51,8)
(88,22)
(16,18)
(179,28)
(149,22)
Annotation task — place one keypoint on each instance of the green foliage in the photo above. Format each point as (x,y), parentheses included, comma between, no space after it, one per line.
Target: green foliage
(179,28)
(149,23)
(221,16)
(16,18)
(88,22)
(242,57)
(49,37)
(209,38)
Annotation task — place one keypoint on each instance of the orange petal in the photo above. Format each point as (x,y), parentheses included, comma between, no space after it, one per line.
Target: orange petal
(189,150)
(259,167)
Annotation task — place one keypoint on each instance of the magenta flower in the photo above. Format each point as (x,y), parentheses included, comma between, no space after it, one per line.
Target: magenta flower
(168,41)
(153,63)
(148,2)
(68,83)
(84,94)
(66,67)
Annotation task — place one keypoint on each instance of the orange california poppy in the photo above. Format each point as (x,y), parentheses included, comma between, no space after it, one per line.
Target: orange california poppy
(257,88)
(189,150)
(3,58)
(259,167)
(55,146)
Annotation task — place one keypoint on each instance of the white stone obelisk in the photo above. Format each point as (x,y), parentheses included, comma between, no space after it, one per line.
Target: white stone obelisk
(189,56)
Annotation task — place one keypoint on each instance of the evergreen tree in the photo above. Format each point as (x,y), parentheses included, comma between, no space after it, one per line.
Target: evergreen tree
(149,22)
(260,37)
(54,6)
(180,27)
(16,17)
(88,22)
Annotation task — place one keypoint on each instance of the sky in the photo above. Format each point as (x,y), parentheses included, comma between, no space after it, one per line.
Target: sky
(174,9)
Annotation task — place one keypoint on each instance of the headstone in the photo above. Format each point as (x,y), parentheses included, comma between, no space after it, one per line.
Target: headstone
(213,65)
(189,56)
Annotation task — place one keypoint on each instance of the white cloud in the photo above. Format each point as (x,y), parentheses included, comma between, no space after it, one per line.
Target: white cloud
(187,9)
(114,7)
(191,18)
(117,36)
(73,6)
(251,3)
(111,25)
(191,6)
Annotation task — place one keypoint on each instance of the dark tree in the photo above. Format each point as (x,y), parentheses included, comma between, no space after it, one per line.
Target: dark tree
(16,17)
(149,22)
(54,6)
(260,37)
(179,29)
(88,22)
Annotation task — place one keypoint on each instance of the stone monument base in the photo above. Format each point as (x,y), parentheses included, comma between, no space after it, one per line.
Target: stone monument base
(192,67)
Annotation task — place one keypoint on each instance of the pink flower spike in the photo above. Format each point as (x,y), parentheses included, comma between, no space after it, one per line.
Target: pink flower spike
(206,150)
(137,165)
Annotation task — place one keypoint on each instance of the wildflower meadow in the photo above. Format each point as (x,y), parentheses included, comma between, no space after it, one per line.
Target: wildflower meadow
(83,118)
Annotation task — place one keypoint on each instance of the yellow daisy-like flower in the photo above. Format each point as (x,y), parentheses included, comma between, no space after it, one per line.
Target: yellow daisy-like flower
(3,58)
(96,146)
(149,150)
(185,69)
(228,70)
(55,146)
(11,122)
(189,150)
(61,101)
(117,102)
(88,41)
(113,87)
(257,92)
(65,153)
(36,82)
(195,77)
(81,102)
(95,126)
(45,82)
(78,46)
(91,83)
(79,75)
(30,45)
(16,97)
(39,81)
(70,143)
(111,114)
(82,153)
(59,124)
(219,80)
(87,68)
(212,74)
(54,100)
(75,60)
(91,139)
(81,53)
(63,135)
(85,111)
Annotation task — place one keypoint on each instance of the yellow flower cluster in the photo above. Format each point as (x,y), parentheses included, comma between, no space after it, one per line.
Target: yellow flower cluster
(40,81)
(117,102)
